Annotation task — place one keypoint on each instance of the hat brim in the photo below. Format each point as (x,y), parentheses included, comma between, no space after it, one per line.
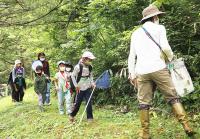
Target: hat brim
(67,65)
(92,57)
(151,15)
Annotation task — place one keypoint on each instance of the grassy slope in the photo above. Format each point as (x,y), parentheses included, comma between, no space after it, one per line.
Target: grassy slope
(25,121)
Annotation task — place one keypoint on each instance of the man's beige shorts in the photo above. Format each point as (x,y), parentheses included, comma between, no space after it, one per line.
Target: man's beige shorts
(163,81)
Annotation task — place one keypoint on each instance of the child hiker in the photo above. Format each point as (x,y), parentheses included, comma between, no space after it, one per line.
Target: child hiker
(45,63)
(40,86)
(19,85)
(62,84)
(83,81)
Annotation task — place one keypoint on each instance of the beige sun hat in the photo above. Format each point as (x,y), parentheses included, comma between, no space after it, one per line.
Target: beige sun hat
(150,11)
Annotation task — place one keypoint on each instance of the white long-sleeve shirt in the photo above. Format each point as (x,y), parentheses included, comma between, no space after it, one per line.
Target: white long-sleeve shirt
(86,80)
(147,52)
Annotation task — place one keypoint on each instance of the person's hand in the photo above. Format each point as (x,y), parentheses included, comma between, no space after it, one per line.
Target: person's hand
(134,82)
(16,89)
(93,85)
(77,89)
(57,88)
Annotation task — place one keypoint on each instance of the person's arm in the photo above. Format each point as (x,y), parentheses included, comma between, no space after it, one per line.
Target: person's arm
(132,63)
(92,80)
(74,75)
(24,73)
(56,81)
(24,82)
(48,70)
(36,87)
(165,44)
(132,60)
(15,86)
(13,74)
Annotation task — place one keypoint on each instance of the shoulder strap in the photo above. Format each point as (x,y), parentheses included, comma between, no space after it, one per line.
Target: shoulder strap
(149,35)
(90,68)
(80,73)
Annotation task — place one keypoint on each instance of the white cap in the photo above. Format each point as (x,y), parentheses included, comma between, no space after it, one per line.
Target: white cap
(17,62)
(88,55)
(60,62)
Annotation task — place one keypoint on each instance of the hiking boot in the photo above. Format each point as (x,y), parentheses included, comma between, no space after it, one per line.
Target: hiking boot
(144,119)
(182,117)
(90,120)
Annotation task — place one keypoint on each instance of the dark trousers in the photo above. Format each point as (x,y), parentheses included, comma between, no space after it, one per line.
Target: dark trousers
(79,98)
(18,95)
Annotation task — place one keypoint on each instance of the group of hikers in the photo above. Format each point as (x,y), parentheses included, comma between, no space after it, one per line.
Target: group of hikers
(67,80)
(147,72)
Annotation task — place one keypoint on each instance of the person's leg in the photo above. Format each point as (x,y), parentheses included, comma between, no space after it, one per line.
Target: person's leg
(48,94)
(145,95)
(79,99)
(60,102)
(21,95)
(13,95)
(89,107)
(68,102)
(40,103)
(17,94)
(164,82)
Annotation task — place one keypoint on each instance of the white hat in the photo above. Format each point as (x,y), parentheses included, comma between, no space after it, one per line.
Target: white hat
(60,62)
(150,11)
(88,55)
(36,63)
(17,62)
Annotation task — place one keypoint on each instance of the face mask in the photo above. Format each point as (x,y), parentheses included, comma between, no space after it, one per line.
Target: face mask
(42,59)
(88,62)
(68,69)
(157,22)
(62,68)
(39,74)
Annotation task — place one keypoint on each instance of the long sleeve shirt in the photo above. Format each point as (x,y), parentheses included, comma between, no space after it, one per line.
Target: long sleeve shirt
(86,80)
(148,54)
(46,67)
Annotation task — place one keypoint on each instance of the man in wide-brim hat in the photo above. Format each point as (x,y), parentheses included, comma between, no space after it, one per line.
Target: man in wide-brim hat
(150,69)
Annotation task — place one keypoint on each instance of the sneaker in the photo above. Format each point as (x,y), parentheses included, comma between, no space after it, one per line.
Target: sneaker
(90,120)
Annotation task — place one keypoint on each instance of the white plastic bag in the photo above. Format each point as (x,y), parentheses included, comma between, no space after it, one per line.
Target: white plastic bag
(180,77)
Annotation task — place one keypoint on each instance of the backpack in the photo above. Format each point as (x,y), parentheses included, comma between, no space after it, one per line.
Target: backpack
(73,88)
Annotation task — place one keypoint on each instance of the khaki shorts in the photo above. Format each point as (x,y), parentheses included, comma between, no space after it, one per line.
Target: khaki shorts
(163,81)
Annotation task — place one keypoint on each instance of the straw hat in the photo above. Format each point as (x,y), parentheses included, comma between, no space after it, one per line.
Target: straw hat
(150,11)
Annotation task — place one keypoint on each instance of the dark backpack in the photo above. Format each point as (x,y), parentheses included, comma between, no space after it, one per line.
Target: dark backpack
(73,88)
